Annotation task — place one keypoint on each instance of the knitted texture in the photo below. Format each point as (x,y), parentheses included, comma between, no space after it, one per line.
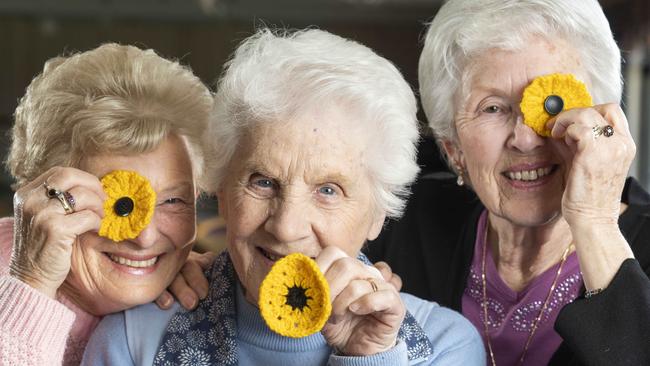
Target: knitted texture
(120,185)
(33,327)
(573,92)
(294,297)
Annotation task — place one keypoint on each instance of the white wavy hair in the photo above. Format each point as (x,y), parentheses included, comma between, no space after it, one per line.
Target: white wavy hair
(463,29)
(275,74)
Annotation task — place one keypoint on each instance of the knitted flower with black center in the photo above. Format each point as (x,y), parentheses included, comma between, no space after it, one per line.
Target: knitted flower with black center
(295,297)
(129,206)
(548,95)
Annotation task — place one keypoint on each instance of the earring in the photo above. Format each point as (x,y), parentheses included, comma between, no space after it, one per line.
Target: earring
(459,180)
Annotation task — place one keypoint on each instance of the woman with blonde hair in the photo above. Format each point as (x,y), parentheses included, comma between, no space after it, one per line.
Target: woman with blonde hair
(114,108)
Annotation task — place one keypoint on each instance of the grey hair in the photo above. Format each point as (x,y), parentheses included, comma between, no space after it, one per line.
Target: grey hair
(112,99)
(462,29)
(274,74)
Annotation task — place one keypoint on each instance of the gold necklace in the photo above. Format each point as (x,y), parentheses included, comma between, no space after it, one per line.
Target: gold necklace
(541,311)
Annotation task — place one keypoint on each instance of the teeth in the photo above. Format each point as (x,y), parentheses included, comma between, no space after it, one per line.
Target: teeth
(132,263)
(529,175)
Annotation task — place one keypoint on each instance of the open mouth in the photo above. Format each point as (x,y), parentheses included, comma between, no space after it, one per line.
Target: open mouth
(132,263)
(531,175)
(273,256)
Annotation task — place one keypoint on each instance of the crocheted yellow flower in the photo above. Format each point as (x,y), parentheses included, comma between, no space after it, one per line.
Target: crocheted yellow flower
(295,297)
(129,206)
(548,95)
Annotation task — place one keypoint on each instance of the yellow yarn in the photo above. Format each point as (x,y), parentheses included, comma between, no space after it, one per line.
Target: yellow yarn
(119,184)
(572,91)
(295,297)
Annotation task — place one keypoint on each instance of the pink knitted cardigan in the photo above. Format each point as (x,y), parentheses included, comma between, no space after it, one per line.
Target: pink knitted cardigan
(34,329)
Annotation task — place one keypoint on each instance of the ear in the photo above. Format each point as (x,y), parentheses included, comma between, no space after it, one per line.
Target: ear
(454,154)
(376,227)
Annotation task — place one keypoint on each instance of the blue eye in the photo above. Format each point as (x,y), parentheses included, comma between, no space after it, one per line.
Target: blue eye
(264,183)
(327,190)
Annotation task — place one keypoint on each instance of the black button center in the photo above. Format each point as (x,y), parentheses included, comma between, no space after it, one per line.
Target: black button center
(297,297)
(123,206)
(553,104)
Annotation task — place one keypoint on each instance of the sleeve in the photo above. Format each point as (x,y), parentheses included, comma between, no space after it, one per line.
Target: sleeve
(455,340)
(108,344)
(396,356)
(613,327)
(33,327)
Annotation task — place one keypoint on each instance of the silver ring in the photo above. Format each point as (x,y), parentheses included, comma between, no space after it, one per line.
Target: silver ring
(606,130)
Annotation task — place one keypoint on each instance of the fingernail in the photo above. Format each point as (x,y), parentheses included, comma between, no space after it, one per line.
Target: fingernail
(204,293)
(190,301)
(354,308)
(165,300)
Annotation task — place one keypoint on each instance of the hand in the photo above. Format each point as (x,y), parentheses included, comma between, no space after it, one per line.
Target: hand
(390,277)
(363,321)
(598,166)
(190,283)
(45,234)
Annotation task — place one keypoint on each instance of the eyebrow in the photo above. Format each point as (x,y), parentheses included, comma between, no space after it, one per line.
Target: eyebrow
(177,187)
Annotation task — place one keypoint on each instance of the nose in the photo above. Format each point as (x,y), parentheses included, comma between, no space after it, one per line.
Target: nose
(289,221)
(148,236)
(524,138)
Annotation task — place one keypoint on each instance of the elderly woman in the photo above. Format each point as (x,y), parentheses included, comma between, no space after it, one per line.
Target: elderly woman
(317,144)
(550,264)
(112,108)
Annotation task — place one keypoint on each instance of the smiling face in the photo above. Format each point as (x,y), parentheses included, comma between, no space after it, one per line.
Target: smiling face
(108,276)
(517,174)
(297,186)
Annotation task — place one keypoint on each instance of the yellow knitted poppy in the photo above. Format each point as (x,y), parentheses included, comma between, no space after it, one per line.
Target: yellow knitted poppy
(129,206)
(572,92)
(295,297)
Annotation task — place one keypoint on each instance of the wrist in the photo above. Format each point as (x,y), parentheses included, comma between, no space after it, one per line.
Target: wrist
(45,289)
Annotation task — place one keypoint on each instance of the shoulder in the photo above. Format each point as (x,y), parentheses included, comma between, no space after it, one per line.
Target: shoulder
(145,327)
(453,337)
(107,345)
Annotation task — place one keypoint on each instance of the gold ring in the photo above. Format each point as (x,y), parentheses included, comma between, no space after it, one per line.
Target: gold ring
(372,282)
(68,206)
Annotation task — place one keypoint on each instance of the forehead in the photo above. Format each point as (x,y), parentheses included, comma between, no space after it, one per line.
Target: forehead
(167,165)
(515,69)
(314,143)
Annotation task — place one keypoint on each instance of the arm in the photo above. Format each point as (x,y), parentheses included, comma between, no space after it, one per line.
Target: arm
(455,340)
(611,327)
(33,327)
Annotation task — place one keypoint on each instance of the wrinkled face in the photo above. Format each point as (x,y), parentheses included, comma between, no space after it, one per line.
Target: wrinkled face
(517,174)
(109,276)
(297,186)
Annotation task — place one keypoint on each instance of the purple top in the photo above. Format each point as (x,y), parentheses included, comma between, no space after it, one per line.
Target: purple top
(511,314)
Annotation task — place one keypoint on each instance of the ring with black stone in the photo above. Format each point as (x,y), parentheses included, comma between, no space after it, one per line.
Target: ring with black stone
(50,191)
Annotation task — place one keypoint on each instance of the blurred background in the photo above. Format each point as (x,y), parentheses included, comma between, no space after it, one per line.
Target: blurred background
(203,33)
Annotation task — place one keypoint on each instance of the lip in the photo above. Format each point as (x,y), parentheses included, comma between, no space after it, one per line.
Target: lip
(136,271)
(530,185)
(262,252)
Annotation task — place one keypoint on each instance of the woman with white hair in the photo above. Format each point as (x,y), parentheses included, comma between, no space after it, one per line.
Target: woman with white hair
(316,147)
(551,262)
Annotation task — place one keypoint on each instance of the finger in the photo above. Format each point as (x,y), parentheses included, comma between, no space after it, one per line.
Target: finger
(183,292)
(64,178)
(204,260)
(396,282)
(60,226)
(614,116)
(353,291)
(388,275)
(347,269)
(584,116)
(165,300)
(85,199)
(328,256)
(386,304)
(193,275)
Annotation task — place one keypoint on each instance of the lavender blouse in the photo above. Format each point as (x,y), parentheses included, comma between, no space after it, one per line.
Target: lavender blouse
(511,314)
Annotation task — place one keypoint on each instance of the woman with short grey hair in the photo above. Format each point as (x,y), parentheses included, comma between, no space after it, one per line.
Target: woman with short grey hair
(548,256)
(316,147)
